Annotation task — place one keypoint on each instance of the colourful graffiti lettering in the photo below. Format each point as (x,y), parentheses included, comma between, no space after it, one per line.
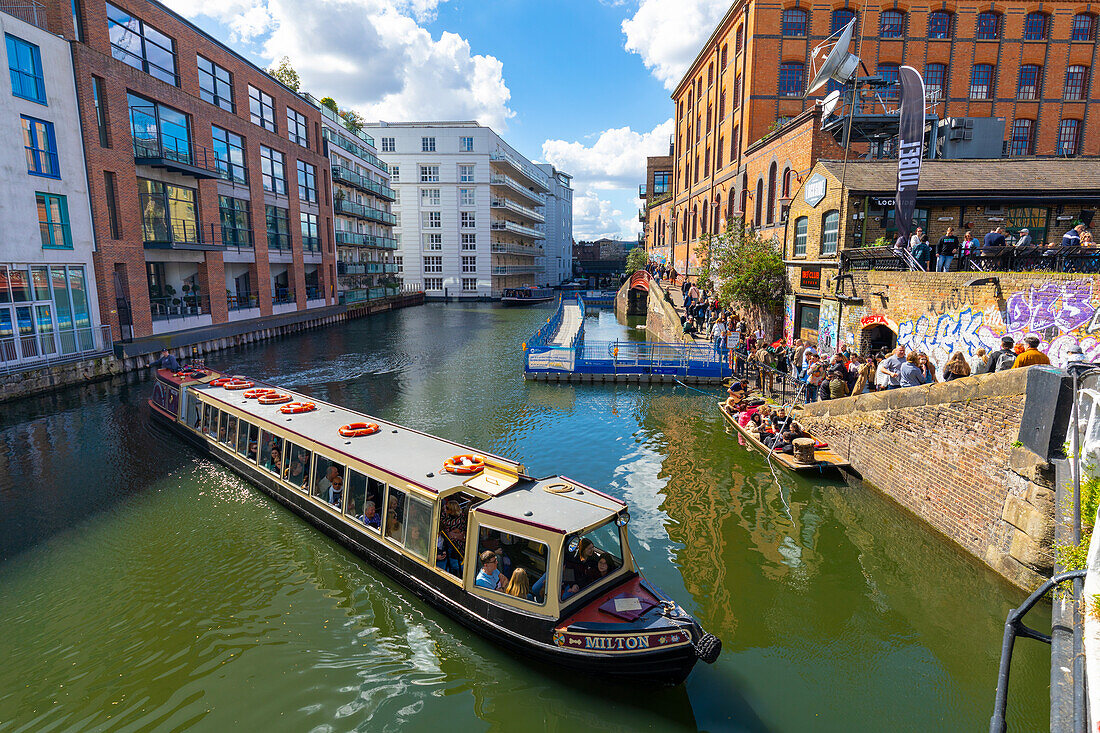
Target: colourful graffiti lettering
(942,337)
(1067,306)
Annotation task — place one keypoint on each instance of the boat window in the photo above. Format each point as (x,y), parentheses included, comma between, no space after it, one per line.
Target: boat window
(196,413)
(450,543)
(395,512)
(248,438)
(408,522)
(296,470)
(363,506)
(328,481)
(272,452)
(210,420)
(229,436)
(598,555)
(521,563)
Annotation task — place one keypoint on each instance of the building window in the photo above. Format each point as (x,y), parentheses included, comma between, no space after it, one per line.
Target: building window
(892,24)
(429,197)
(739,40)
(737,91)
(433,263)
(981,82)
(433,283)
(215,84)
(273,169)
(427,144)
(801,228)
(1069,135)
(428,174)
(169,214)
(433,220)
(939,24)
(40,147)
(794,22)
(25,67)
(889,74)
(400,261)
(297,128)
(790,79)
(1035,27)
(465,145)
(311,238)
(989,26)
(1031,77)
(236,219)
(469,264)
(261,107)
(841,18)
(469,284)
(433,242)
(278,227)
(465,174)
(307,182)
(159,131)
(830,230)
(934,76)
(469,242)
(466,197)
(99,101)
(1084,27)
(1021,143)
(388,145)
(661,182)
(467,220)
(138,44)
(395,173)
(229,152)
(721,147)
(110,192)
(53,221)
(1076,82)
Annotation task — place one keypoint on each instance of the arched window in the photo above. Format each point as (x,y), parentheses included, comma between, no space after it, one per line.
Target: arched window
(1030,82)
(725,47)
(684,228)
(715,223)
(787,176)
(771,193)
(939,24)
(659,234)
(1076,82)
(729,209)
(791,76)
(1035,27)
(795,21)
(892,24)
(744,196)
(989,26)
(740,39)
(801,229)
(759,201)
(1068,137)
(694,222)
(830,230)
(1084,27)
(706,211)
(710,74)
(841,18)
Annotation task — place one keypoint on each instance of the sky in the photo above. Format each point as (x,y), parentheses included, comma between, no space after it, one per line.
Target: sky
(582,84)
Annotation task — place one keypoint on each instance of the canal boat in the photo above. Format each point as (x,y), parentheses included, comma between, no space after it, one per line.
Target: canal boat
(526,296)
(436,516)
(824,458)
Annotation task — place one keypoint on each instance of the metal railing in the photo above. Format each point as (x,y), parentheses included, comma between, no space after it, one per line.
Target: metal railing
(1072,259)
(28,351)
(339,140)
(29,11)
(517,208)
(242,301)
(502,180)
(174,307)
(344,175)
(507,248)
(343,206)
(282,296)
(313,292)
(180,233)
(529,172)
(503,225)
(365,268)
(357,239)
(514,269)
(165,149)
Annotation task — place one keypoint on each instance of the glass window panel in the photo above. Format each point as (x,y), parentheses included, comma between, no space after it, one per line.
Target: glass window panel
(229,436)
(79,292)
(20,285)
(210,420)
(418,524)
(5,291)
(61,299)
(196,413)
(272,447)
(40,279)
(242,437)
(297,466)
(328,481)
(395,513)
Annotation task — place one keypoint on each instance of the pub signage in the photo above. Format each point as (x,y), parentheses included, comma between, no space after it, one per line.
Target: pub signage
(811,278)
(815,189)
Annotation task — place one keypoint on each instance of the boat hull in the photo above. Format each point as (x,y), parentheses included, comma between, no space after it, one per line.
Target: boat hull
(826,460)
(513,302)
(512,630)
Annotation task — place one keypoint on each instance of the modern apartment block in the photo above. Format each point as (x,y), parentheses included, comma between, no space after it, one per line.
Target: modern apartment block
(208,180)
(470,208)
(48,309)
(366,265)
(556,263)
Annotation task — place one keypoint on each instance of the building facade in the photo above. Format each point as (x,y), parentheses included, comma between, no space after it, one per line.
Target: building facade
(470,209)
(557,259)
(656,196)
(48,308)
(366,264)
(1028,64)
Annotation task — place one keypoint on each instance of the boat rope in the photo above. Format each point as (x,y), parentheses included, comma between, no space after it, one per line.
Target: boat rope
(708,394)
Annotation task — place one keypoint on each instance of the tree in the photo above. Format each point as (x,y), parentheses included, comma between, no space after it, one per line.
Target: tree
(285,73)
(750,269)
(330,103)
(353,120)
(636,260)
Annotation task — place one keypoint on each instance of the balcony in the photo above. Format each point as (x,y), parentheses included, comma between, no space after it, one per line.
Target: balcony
(515,269)
(517,229)
(351,178)
(359,151)
(506,248)
(366,268)
(29,11)
(355,239)
(502,181)
(242,301)
(181,234)
(282,296)
(177,155)
(528,173)
(641,191)
(348,208)
(169,308)
(520,209)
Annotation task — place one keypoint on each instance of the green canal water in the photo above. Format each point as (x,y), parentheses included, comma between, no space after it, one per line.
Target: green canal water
(143,588)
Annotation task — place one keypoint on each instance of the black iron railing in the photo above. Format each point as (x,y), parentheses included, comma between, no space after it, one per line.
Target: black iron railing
(988,259)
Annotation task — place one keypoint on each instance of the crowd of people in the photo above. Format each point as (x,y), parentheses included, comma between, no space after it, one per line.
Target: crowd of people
(939,256)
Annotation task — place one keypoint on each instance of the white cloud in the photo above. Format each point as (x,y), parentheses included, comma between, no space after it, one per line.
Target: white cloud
(668,34)
(370,55)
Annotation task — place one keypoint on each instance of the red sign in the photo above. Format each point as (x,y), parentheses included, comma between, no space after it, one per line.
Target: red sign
(811,278)
(876,320)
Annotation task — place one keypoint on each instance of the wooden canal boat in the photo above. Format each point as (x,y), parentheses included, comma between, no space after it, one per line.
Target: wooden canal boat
(824,458)
(426,511)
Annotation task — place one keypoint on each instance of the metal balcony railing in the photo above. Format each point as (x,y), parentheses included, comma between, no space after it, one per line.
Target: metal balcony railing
(507,248)
(175,307)
(18,353)
(178,155)
(356,239)
(514,269)
(365,268)
(313,292)
(30,11)
(183,234)
(348,208)
(282,296)
(520,209)
(351,178)
(242,301)
(533,196)
(340,141)
(535,176)
(514,228)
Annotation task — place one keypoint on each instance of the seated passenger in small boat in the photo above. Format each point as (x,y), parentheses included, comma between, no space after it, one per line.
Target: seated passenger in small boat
(445,556)
(370,515)
(296,472)
(489,576)
(736,397)
(575,575)
(393,525)
(453,523)
(274,460)
(331,487)
(779,420)
(604,566)
(520,585)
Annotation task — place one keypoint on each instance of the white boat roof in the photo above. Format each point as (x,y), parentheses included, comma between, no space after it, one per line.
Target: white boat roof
(556,504)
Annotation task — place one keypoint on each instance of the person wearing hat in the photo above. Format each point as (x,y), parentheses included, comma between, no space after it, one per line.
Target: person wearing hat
(1003,358)
(1024,240)
(1075,354)
(166,361)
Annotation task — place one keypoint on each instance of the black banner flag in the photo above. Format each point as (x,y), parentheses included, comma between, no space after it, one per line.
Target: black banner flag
(910,147)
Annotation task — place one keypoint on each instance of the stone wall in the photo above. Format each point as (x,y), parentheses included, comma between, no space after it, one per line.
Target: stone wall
(662,322)
(947,453)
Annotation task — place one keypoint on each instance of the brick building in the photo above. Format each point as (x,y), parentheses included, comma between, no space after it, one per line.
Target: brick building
(1026,63)
(208,178)
(656,195)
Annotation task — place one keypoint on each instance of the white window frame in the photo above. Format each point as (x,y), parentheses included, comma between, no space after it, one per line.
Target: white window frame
(467,197)
(433,242)
(429,197)
(427,144)
(469,242)
(466,172)
(433,283)
(429,174)
(433,264)
(433,220)
(469,264)
(469,284)
(389,145)
(467,220)
(465,144)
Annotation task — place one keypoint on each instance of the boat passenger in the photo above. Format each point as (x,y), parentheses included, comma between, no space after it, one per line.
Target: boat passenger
(520,585)
(453,522)
(393,525)
(332,485)
(444,556)
(489,576)
(274,460)
(370,515)
(296,472)
(252,448)
(604,567)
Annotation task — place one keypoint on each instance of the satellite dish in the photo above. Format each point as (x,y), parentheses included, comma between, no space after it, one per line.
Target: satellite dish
(836,63)
(832,99)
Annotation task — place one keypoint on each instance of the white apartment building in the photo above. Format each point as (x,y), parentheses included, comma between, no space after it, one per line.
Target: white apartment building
(470,219)
(366,265)
(557,260)
(48,304)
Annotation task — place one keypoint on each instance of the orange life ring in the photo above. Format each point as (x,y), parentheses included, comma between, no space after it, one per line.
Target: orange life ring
(221,381)
(254,393)
(274,398)
(184,374)
(464,464)
(239,384)
(358,429)
(293,408)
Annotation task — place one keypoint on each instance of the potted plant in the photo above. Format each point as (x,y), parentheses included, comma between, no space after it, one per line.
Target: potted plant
(169,300)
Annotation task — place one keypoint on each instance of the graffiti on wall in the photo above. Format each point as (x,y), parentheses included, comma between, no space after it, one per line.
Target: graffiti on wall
(788,320)
(1061,313)
(828,326)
